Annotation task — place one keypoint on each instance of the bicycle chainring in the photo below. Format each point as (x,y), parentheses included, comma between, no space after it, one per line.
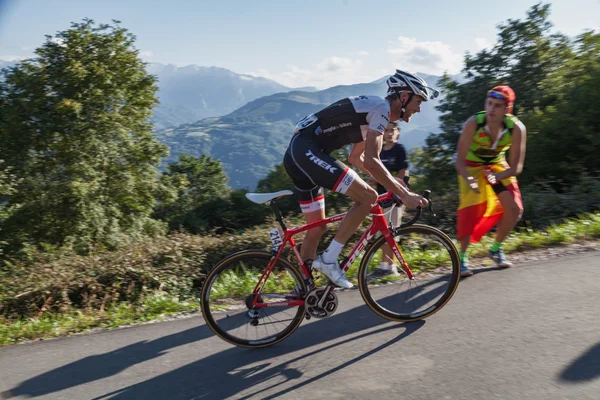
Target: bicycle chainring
(311,303)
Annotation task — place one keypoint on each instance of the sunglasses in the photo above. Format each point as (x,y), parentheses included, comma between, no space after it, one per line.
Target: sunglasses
(434,93)
(497,95)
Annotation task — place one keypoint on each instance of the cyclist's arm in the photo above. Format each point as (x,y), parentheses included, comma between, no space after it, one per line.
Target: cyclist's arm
(373,164)
(517,152)
(356,156)
(466,137)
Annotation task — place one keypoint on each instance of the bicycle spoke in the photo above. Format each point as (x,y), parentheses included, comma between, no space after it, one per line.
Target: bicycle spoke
(278,322)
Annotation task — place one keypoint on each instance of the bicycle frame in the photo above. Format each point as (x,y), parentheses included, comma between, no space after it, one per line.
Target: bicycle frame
(379,224)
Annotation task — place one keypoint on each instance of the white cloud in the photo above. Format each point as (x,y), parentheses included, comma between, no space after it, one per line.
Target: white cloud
(330,71)
(428,57)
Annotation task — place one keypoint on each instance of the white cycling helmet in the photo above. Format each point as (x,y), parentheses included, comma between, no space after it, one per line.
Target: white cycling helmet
(403,81)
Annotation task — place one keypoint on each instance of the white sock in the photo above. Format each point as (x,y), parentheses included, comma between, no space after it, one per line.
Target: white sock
(332,252)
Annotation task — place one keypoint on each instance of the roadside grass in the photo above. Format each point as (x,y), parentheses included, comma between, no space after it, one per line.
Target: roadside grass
(160,304)
(77,321)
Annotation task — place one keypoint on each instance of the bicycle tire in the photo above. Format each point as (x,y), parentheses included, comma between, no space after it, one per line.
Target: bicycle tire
(223,265)
(363,282)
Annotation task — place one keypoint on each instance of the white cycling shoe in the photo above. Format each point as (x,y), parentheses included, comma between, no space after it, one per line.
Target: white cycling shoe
(333,272)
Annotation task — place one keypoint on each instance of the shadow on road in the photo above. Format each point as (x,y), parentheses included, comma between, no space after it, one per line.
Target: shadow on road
(101,366)
(236,370)
(222,374)
(585,368)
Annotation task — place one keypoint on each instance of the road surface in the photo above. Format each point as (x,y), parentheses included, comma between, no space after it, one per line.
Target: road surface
(530,332)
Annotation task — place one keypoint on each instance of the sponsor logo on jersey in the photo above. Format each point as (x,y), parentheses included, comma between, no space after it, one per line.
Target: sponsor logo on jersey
(306,121)
(381,127)
(318,131)
(323,164)
(336,127)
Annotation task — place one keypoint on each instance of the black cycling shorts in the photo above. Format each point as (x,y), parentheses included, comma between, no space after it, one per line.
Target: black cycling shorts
(312,169)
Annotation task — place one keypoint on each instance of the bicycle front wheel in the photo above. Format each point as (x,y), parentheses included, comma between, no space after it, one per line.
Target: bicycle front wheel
(227,299)
(434,262)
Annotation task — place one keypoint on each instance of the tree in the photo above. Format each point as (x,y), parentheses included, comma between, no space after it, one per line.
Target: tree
(202,187)
(522,57)
(565,135)
(75,128)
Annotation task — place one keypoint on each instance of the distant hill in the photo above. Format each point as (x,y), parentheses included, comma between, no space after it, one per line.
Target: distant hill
(191,93)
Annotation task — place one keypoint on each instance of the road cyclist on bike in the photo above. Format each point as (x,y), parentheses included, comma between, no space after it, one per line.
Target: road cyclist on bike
(359,121)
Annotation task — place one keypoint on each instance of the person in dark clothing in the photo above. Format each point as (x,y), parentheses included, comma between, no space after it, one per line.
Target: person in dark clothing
(394,158)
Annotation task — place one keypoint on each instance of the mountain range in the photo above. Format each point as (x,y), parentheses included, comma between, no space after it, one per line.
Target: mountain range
(191,93)
(246,122)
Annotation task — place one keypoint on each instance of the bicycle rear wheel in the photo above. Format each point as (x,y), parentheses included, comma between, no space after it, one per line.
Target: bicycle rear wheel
(226,299)
(434,262)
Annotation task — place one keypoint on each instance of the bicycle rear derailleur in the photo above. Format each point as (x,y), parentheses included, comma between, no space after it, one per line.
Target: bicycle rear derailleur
(321,302)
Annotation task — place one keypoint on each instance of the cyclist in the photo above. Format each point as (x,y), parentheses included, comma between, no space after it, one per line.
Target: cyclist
(360,121)
(489,192)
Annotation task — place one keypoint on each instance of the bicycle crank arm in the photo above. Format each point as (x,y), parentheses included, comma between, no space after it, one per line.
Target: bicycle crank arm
(322,299)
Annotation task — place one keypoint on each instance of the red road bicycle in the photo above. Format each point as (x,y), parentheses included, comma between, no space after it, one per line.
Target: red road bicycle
(256,298)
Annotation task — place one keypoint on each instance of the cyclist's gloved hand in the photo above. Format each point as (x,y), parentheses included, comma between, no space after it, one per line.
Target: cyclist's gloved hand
(413,200)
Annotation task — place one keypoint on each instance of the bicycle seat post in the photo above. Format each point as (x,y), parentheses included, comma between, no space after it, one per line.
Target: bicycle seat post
(278,215)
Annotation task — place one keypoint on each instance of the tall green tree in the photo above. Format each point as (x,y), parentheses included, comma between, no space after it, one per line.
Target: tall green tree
(202,192)
(565,135)
(75,128)
(523,56)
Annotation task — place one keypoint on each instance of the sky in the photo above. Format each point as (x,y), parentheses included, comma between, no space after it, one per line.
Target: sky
(294,42)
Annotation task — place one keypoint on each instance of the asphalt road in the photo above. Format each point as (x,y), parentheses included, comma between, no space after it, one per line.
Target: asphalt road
(530,332)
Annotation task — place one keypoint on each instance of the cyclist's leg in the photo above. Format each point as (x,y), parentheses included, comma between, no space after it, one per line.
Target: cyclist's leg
(364,197)
(306,157)
(312,204)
